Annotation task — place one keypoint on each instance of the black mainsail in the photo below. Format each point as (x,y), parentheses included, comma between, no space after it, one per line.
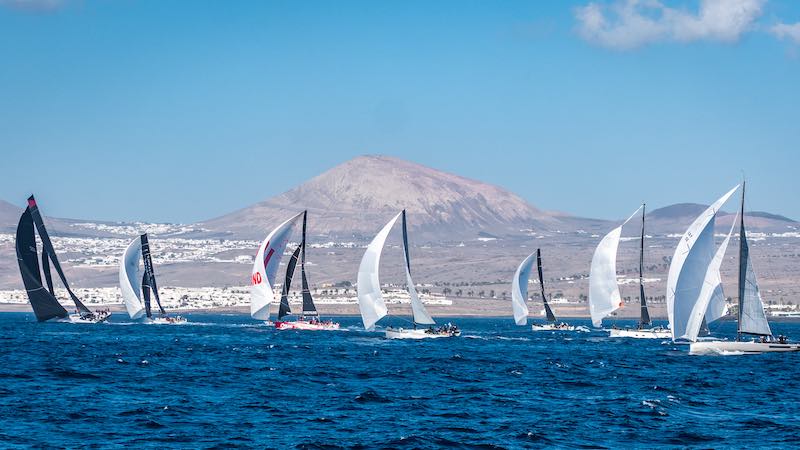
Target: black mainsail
(284,309)
(149,278)
(645,314)
(44,303)
(48,257)
(550,316)
(752,319)
(309,309)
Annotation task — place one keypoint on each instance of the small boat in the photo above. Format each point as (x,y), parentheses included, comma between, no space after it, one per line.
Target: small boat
(370,299)
(753,334)
(43,301)
(519,295)
(641,333)
(265,269)
(136,286)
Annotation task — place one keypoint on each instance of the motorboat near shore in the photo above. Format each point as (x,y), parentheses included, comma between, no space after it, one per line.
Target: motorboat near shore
(309,325)
(640,333)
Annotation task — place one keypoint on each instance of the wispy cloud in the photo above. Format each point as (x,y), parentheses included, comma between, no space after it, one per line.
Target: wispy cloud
(790,32)
(33,5)
(628,24)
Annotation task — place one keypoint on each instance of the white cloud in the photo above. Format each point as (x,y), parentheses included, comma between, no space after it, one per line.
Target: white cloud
(627,24)
(787,31)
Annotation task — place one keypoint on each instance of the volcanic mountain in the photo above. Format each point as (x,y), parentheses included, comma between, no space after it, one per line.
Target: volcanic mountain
(354,199)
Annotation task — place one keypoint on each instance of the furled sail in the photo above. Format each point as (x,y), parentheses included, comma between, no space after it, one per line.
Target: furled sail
(47,247)
(548,312)
(284,309)
(308,301)
(370,300)
(265,268)
(604,297)
(710,305)
(519,290)
(418,310)
(44,304)
(689,265)
(129,276)
(752,319)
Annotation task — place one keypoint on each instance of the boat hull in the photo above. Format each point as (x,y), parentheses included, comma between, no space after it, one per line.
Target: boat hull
(745,348)
(402,333)
(306,326)
(177,320)
(645,333)
(556,327)
(77,318)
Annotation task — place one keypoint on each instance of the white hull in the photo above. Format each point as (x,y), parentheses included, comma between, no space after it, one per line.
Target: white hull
(556,327)
(739,348)
(402,333)
(645,333)
(77,318)
(306,325)
(177,320)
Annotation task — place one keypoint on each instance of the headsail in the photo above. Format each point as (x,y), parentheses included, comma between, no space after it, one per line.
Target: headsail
(370,300)
(752,319)
(265,268)
(689,265)
(604,297)
(548,312)
(308,302)
(418,310)
(44,304)
(519,290)
(710,305)
(284,309)
(47,247)
(129,277)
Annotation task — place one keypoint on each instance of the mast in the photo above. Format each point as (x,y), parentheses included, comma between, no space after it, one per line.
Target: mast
(645,315)
(308,302)
(742,271)
(549,312)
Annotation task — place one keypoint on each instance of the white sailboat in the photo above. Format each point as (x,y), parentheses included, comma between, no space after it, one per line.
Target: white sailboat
(519,295)
(751,318)
(370,299)
(136,300)
(604,296)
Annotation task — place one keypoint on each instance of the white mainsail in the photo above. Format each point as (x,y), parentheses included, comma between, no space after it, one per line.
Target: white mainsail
(370,300)
(519,290)
(711,301)
(604,297)
(689,266)
(265,268)
(130,278)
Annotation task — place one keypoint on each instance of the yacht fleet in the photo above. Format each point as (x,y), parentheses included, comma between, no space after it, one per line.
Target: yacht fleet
(695,296)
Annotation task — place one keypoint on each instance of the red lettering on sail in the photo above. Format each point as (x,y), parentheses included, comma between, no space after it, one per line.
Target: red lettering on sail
(257,278)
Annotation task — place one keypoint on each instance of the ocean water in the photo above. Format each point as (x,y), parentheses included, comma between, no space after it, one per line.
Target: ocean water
(226,381)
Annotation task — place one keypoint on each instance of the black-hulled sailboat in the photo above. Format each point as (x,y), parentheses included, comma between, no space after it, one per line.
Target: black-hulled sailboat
(43,300)
(309,317)
(136,289)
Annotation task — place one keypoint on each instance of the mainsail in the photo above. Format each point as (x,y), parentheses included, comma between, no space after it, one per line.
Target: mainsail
(265,268)
(129,277)
(519,290)
(689,266)
(370,300)
(150,273)
(284,309)
(644,314)
(752,319)
(44,303)
(604,297)
(548,312)
(418,310)
(308,302)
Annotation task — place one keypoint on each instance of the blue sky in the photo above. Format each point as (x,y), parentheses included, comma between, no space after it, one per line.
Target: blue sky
(182,111)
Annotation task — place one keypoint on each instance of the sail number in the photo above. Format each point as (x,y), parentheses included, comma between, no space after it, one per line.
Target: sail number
(257,278)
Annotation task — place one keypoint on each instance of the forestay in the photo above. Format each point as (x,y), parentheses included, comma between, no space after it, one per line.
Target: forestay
(370,300)
(604,296)
(265,268)
(519,290)
(689,265)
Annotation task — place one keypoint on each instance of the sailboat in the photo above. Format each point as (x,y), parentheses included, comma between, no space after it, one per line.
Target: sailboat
(136,300)
(604,296)
(43,301)
(519,294)
(753,334)
(370,299)
(265,269)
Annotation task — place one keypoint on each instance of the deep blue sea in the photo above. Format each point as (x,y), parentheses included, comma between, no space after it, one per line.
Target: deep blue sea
(226,381)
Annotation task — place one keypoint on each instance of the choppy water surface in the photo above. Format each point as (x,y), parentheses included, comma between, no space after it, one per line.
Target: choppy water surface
(227,381)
